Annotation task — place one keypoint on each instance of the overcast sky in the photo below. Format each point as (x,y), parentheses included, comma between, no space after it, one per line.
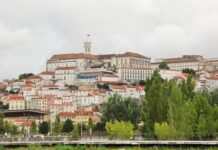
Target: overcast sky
(32,30)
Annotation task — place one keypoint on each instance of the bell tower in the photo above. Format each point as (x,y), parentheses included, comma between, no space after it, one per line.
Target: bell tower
(87,44)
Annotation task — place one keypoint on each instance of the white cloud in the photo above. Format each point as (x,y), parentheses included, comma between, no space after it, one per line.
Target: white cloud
(31,31)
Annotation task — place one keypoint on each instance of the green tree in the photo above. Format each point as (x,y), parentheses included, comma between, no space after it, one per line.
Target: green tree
(75,133)
(8,126)
(142,82)
(15,129)
(163,131)
(163,65)
(90,126)
(119,130)
(190,116)
(2,129)
(44,127)
(68,126)
(189,71)
(212,96)
(33,127)
(188,88)
(57,125)
(117,108)
(176,110)
(155,104)
(205,122)
(25,75)
(71,87)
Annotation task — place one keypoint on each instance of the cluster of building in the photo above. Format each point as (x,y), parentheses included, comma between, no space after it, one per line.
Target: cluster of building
(74,85)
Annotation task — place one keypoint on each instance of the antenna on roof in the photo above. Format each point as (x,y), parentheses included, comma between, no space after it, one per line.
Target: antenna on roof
(87,44)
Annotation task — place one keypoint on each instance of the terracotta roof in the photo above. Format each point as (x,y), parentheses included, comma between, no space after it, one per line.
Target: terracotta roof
(212,78)
(108,75)
(94,93)
(127,54)
(72,56)
(119,87)
(106,56)
(76,113)
(139,88)
(34,77)
(15,97)
(47,73)
(50,85)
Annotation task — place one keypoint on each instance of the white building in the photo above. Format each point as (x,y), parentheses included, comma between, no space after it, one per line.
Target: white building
(195,62)
(211,83)
(127,91)
(81,61)
(88,97)
(126,60)
(65,75)
(134,74)
(108,78)
(16,103)
(169,74)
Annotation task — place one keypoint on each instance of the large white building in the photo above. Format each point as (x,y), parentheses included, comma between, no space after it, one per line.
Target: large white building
(195,62)
(126,60)
(134,74)
(81,61)
(84,61)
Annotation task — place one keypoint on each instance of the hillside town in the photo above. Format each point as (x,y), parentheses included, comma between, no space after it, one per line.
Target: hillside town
(73,86)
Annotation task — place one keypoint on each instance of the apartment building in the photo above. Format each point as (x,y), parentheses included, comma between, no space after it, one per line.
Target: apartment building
(134,74)
(195,62)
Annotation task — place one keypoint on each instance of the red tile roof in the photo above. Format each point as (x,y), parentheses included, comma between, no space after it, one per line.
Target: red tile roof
(212,78)
(76,113)
(139,88)
(72,56)
(47,73)
(119,87)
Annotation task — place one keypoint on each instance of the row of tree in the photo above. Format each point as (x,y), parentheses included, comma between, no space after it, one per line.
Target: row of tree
(169,110)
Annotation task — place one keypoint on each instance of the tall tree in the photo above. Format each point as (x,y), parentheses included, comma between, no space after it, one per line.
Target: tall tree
(90,126)
(33,128)
(188,88)
(205,122)
(176,110)
(44,127)
(2,129)
(153,107)
(57,125)
(117,108)
(190,116)
(68,126)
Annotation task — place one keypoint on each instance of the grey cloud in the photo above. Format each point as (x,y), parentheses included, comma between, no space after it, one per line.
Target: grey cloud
(31,31)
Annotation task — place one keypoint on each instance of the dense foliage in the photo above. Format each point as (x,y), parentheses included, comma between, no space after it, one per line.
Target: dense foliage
(189,71)
(25,75)
(176,107)
(163,65)
(119,130)
(121,109)
(44,127)
(68,126)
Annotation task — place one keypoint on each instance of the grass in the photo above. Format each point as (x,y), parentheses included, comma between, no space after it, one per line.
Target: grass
(67,147)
